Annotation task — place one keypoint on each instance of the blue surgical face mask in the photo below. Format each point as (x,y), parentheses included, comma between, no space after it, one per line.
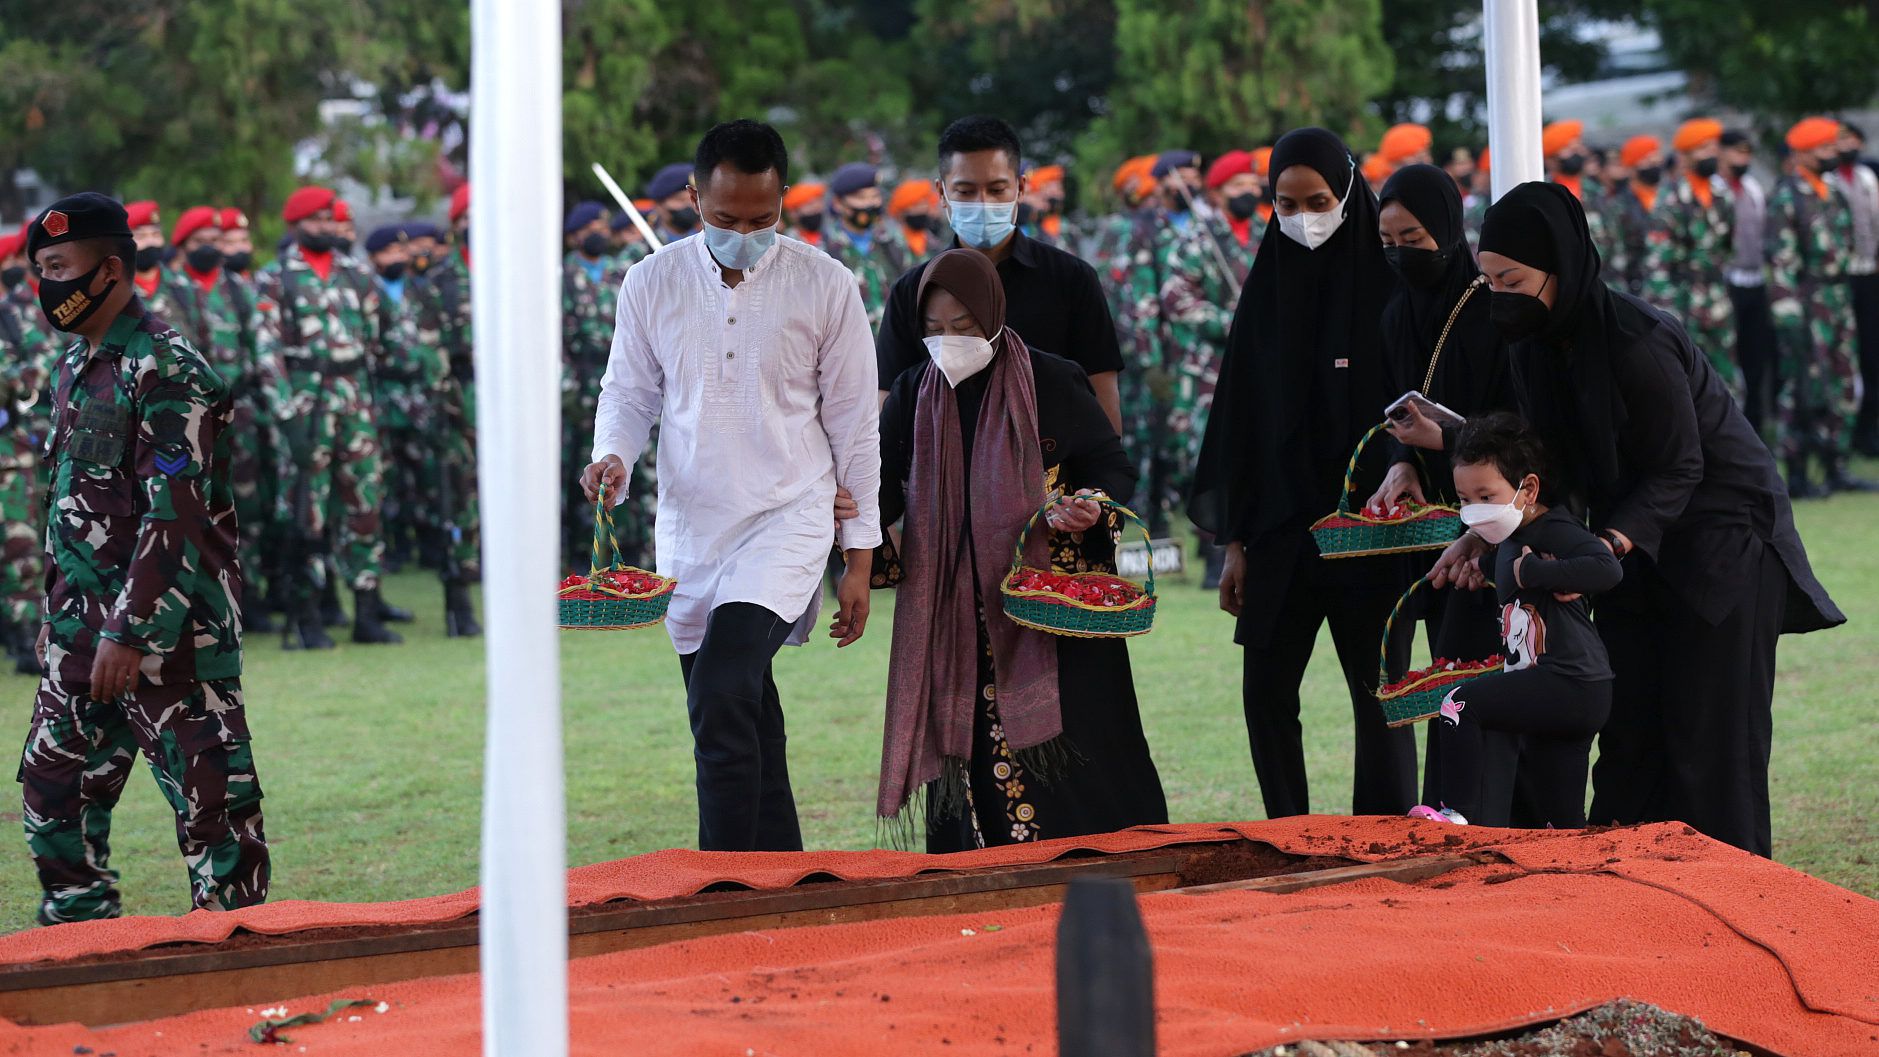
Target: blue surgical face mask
(983,225)
(735,250)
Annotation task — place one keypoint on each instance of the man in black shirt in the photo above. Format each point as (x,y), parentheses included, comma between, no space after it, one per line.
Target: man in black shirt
(1053,299)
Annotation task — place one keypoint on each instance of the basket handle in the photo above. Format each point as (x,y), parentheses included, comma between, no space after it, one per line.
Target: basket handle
(603,536)
(1017,558)
(1383,653)
(1350,469)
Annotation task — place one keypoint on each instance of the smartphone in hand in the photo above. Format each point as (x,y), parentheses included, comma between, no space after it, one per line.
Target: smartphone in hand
(1434,412)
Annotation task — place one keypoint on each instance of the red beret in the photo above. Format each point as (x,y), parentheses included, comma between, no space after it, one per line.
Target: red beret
(342,210)
(459,201)
(232,219)
(142,213)
(10,245)
(194,219)
(306,202)
(1227,166)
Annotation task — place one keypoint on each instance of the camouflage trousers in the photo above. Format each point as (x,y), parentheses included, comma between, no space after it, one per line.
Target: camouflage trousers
(1147,418)
(253,477)
(22,544)
(632,521)
(334,474)
(1818,388)
(1194,384)
(454,481)
(1709,316)
(79,753)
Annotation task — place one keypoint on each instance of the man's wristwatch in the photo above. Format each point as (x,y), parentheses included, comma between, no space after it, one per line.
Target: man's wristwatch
(1618,545)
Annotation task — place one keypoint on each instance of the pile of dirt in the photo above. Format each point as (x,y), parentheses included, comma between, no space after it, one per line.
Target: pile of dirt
(1617,1029)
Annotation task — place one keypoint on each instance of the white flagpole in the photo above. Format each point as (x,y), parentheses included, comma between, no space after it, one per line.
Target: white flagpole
(1511,39)
(515,169)
(626,205)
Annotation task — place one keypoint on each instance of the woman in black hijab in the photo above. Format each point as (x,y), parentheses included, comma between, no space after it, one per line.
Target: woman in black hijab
(1671,475)
(1302,379)
(1438,341)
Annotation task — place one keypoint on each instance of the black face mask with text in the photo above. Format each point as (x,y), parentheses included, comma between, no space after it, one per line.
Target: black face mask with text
(69,302)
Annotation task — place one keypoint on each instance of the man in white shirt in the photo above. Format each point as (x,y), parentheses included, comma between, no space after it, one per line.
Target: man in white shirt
(752,352)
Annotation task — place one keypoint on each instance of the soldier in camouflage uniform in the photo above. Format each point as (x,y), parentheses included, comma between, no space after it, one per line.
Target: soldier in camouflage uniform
(444,323)
(1629,213)
(872,250)
(590,289)
(27,357)
(323,313)
(404,387)
(217,312)
(1810,240)
(142,636)
(1689,245)
(1567,161)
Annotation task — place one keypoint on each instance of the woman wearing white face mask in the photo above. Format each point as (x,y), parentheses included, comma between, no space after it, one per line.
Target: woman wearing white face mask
(1302,379)
(1009,734)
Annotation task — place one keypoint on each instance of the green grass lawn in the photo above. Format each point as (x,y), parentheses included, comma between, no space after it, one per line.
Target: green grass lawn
(372,757)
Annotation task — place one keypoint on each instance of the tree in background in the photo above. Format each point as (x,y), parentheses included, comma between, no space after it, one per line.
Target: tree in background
(1212,75)
(1776,59)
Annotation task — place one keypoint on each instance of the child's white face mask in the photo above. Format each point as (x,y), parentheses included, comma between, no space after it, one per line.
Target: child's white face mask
(1493,522)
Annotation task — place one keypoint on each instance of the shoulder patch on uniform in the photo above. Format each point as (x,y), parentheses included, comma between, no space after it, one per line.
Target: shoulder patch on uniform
(172,463)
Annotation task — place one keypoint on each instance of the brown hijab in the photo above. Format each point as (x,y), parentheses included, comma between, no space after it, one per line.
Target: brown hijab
(962,527)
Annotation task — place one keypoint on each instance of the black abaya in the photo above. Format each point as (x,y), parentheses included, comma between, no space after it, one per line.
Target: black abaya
(1303,377)
(1656,448)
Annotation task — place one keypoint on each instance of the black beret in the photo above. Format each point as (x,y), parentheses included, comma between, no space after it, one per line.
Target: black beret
(422,229)
(855,176)
(382,237)
(1171,160)
(621,221)
(86,215)
(581,215)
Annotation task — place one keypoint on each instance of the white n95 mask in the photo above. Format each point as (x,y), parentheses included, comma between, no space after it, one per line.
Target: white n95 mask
(1312,230)
(960,356)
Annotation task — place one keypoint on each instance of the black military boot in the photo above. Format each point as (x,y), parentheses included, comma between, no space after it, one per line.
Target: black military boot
(368,627)
(254,611)
(1213,564)
(303,629)
(391,614)
(459,614)
(1799,487)
(1839,479)
(332,615)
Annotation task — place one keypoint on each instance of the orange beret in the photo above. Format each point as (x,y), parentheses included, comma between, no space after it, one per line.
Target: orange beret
(910,193)
(1559,135)
(341,209)
(194,219)
(644,205)
(305,202)
(1262,161)
(1045,175)
(1405,141)
(1135,178)
(232,219)
(140,213)
(1810,133)
(1377,168)
(1696,132)
(1637,148)
(459,202)
(804,194)
(1227,166)
(1481,161)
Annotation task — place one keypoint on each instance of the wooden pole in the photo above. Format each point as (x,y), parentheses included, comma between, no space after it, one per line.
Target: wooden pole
(1105,973)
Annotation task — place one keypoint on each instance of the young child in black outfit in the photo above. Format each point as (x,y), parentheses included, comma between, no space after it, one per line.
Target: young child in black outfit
(1555,690)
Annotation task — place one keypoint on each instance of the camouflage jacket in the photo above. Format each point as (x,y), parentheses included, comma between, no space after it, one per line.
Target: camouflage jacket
(1197,297)
(1627,225)
(1688,246)
(223,322)
(587,307)
(441,300)
(330,326)
(413,370)
(28,356)
(1809,240)
(876,269)
(140,533)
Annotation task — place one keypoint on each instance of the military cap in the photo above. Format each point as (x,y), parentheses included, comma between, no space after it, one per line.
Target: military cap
(855,176)
(305,202)
(620,222)
(384,236)
(86,215)
(141,213)
(1170,160)
(583,214)
(232,219)
(459,202)
(669,181)
(422,229)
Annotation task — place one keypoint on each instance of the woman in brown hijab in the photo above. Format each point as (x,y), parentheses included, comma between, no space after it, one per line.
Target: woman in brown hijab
(1009,734)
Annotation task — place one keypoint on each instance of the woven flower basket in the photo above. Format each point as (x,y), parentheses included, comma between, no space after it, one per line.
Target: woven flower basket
(1345,533)
(612,597)
(1418,694)
(1078,605)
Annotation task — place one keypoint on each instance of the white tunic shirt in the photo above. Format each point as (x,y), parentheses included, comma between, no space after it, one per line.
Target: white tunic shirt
(765,398)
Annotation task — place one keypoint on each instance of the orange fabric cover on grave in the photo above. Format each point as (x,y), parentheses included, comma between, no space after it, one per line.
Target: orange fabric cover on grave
(1755,950)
